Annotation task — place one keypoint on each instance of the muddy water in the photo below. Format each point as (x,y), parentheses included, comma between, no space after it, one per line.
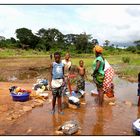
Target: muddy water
(94,120)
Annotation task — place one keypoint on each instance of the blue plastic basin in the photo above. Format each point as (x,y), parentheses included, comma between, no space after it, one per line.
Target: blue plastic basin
(22,98)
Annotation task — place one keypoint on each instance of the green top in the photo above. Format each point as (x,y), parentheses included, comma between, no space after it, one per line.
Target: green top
(101,68)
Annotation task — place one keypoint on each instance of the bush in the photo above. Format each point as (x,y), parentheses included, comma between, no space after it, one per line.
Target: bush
(126,59)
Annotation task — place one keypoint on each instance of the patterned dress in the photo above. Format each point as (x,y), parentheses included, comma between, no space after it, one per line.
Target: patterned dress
(80,83)
(108,80)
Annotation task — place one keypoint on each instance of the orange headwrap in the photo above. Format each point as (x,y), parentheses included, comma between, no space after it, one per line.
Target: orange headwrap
(98,49)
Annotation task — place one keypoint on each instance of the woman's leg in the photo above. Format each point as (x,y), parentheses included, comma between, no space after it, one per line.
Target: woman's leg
(101,97)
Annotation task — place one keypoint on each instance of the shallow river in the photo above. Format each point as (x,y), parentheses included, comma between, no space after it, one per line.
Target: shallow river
(107,120)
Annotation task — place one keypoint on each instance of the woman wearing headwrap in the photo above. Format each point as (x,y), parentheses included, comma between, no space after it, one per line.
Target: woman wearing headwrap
(98,71)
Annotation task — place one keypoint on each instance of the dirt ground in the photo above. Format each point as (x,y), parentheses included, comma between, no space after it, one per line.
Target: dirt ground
(22,72)
(13,69)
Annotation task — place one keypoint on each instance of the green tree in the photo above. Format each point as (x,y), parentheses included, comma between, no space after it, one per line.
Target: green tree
(27,38)
(82,42)
(51,38)
(13,40)
(107,42)
(95,42)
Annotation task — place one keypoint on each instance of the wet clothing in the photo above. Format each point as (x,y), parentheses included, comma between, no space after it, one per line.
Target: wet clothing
(57,92)
(80,83)
(57,70)
(98,77)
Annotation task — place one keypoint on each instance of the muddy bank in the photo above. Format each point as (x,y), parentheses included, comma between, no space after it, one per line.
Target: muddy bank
(11,110)
(23,69)
(119,70)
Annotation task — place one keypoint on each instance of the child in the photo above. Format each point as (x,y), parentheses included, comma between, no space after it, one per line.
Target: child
(139,89)
(81,76)
(67,64)
(57,79)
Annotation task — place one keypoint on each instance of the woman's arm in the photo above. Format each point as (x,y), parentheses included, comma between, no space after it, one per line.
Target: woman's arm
(97,67)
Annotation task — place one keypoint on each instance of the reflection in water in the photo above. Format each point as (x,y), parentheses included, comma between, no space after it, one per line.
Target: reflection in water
(103,116)
(138,115)
(93,120)
(54,121)
(98,127)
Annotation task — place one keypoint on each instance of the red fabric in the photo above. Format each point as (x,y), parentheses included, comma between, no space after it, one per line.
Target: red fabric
(108,80)
(71,75)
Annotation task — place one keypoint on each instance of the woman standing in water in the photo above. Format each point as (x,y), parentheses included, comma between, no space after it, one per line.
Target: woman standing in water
(98,72)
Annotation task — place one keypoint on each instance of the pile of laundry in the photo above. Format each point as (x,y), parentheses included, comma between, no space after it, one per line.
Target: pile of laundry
(19,94)
(136,127)
(18,90)
(41,86)
(69,127)
(74,97)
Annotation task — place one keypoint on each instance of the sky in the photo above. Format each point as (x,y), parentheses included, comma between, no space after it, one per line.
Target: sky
(117,23)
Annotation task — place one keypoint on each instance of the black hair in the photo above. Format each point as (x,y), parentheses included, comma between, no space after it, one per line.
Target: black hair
(57,53)
(81,61)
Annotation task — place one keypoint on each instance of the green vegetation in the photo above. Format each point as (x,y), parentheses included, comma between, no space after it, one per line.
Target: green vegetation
(128,70)
(20,53)
(126,59)
(47,41)
(52,39)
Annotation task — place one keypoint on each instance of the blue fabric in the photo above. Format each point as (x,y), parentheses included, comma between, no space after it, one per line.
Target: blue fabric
(74,94)
(44,82)
(57,71)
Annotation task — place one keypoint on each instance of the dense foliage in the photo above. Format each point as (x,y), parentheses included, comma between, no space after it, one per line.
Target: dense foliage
(52,39)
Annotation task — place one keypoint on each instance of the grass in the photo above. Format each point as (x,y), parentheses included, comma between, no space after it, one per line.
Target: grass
(130,69)
(19,53)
